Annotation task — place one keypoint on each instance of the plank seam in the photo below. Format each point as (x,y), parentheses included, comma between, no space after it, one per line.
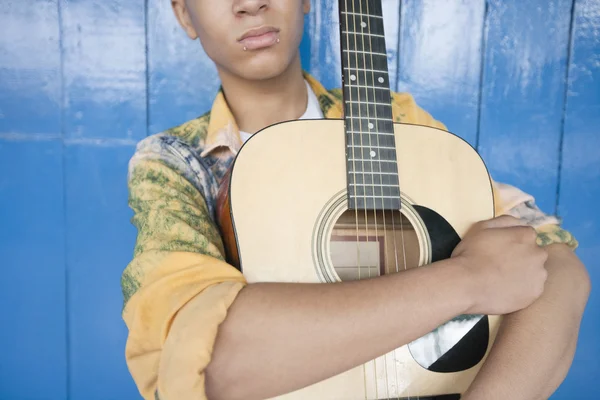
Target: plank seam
(147,55)
(63,100)
(564,110)
(482,50)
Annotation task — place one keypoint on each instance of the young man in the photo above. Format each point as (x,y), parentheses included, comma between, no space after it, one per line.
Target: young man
(198,330)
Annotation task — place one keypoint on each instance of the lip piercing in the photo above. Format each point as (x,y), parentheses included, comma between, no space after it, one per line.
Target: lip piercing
(277,40)
(245,48)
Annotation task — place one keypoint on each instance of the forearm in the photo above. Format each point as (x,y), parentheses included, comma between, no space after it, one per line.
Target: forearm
(280,337)
(535,346)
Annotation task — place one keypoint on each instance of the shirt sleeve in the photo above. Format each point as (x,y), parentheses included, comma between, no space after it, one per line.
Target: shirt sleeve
(178,287)
(508,200)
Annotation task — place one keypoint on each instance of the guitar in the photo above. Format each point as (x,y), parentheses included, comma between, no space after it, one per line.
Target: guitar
(358,198)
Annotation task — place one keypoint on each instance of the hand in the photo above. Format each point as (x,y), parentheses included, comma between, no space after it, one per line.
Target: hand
(505,264)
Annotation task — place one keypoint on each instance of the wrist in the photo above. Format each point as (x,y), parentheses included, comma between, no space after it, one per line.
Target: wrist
(468,286)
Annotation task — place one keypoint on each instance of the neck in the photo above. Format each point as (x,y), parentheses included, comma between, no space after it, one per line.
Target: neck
(256,104)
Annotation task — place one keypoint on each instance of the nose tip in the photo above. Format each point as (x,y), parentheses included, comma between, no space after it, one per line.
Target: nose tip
(250,7)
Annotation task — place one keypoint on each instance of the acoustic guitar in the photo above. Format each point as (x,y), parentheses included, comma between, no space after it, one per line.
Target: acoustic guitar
(359,198)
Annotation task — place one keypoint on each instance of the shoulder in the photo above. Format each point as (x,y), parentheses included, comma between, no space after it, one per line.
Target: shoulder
(183,141)
(174,154)
(191,133)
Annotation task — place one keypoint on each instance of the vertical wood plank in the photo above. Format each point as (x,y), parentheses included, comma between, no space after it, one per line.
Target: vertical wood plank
(182,79)
(580,186)
(523,93)
(440,60)
(29,68)
(100,241)
(322,27)
(104,115)
(104,69)
(33,362)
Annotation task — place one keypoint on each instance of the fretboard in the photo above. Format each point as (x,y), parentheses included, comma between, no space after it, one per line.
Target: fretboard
(370,146)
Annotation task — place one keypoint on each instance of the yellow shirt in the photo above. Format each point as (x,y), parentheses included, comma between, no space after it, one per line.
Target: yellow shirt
(178,287)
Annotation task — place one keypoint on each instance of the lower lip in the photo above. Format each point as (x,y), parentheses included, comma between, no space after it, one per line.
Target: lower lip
(260,42)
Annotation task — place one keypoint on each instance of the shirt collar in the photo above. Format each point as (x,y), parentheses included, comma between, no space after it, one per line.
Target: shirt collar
(224,132)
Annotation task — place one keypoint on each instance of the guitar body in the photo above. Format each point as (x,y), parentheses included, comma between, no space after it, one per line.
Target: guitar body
(287,191)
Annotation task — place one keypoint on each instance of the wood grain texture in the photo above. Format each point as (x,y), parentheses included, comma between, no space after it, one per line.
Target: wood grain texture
(523,93)
(104,69)
(439,60)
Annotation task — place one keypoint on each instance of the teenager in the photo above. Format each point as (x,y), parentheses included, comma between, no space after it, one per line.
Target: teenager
(198,330)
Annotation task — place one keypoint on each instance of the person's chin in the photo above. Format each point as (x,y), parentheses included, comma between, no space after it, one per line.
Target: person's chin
(264,66)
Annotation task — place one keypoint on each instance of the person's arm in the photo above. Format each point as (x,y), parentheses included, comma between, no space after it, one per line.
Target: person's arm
(178,257)
(281,337)
(535,346)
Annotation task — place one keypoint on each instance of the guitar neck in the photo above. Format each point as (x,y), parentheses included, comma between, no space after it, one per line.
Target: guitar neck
(370,145)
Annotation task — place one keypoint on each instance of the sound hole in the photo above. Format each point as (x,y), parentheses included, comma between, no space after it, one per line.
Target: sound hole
(367,244)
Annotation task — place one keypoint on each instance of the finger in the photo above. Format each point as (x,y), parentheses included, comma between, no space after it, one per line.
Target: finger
(503,221)
(519,233)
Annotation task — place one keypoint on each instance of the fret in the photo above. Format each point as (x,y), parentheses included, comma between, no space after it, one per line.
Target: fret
(376,98)
(363,128)
(361,14)
(367,179)
(376,185)
(373,196)
(362,83)
(362,42)
(375,160)
(362,33)
(372,118)
(349,60)
(366,167)
(379,71)
(374,134)
(374,172)
(371,204)
(373,147)
(368,102)
(365,52)
(385,151)
(367,87)
(370,141)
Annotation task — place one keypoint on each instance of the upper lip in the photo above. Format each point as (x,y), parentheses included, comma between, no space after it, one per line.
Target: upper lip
(257,32)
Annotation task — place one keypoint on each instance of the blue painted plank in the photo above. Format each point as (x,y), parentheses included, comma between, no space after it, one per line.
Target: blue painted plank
(523,93)
(440,60)
(321,53)
(580,187)
(104,68)
(100,241)
(33,360)
(182,79)
(29,68)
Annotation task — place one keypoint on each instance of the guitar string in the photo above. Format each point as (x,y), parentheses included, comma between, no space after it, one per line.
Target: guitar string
(360,130)
(353,192)
(379,163)
(381,179)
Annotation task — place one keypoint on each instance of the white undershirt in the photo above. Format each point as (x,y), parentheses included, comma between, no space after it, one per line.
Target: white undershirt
(313,111)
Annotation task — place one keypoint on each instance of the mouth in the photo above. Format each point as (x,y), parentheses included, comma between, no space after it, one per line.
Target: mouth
(259,38)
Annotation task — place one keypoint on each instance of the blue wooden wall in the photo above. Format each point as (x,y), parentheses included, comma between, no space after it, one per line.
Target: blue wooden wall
(82,81)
